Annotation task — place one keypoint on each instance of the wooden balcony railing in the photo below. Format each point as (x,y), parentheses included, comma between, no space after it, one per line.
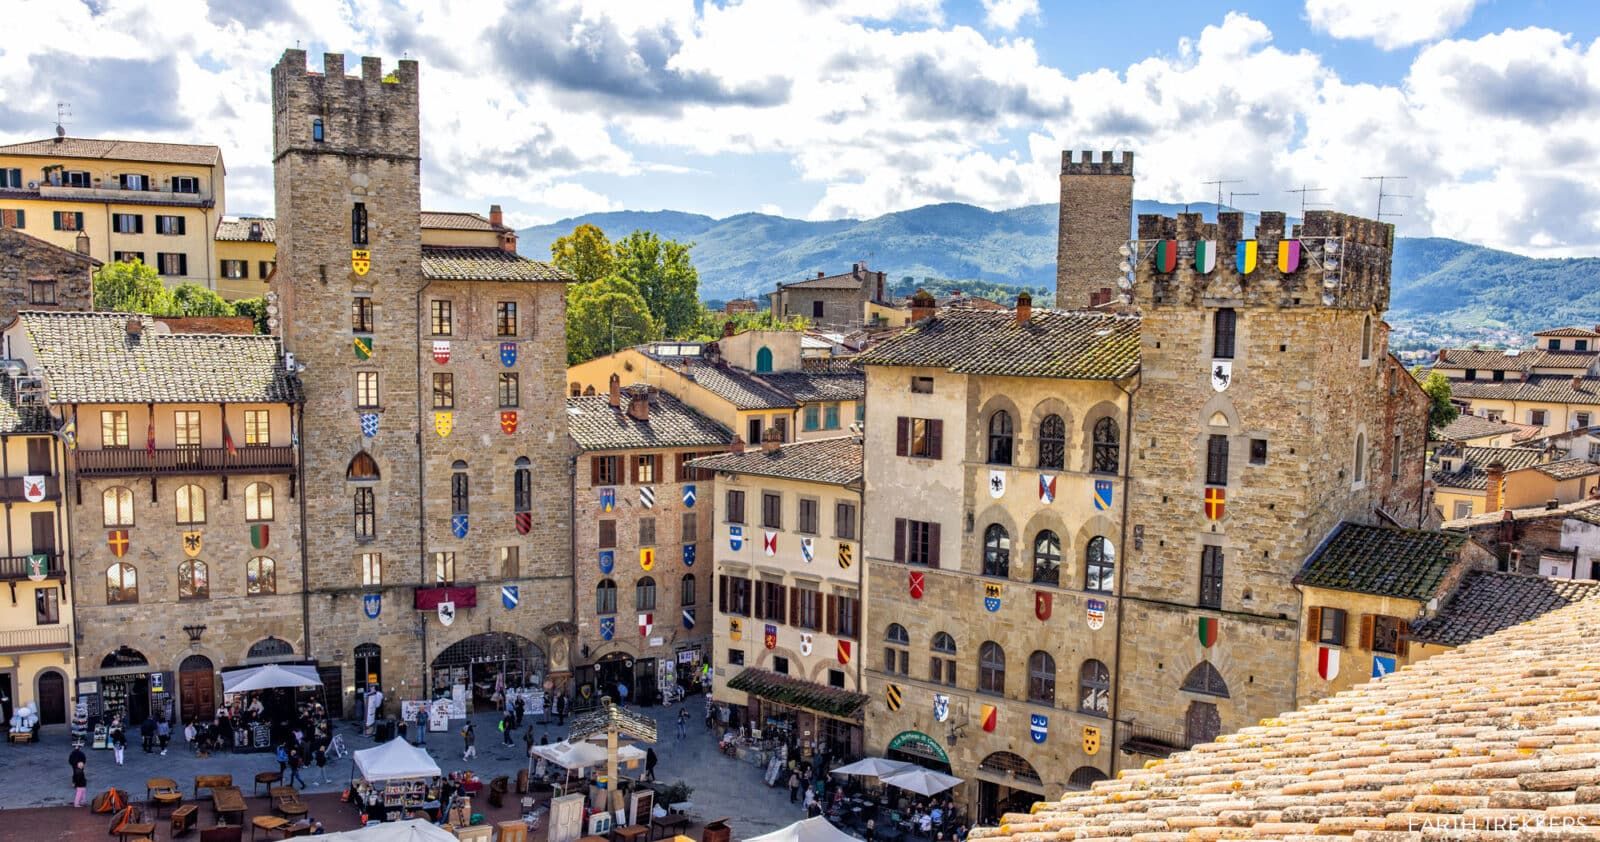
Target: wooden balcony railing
(11,489)
(184,460)
(15,567)
(1154,742)
(36,639)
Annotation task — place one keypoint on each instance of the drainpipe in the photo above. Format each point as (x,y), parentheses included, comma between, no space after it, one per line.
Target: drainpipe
(572,541)
(422,506)
(1122,569)
(297,418)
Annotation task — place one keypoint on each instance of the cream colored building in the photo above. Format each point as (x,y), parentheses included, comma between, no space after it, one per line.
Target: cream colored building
(1554,385)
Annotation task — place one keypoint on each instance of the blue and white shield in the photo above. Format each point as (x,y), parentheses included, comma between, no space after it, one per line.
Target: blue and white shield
(608,499)
(458,525)
(688,555)
(736,537)
(369,424)
(941,707)
(508,354)
(688,618)
(1382,666)
(608,560)
(608,628)
(373,604)
(509,596)
(1039,727)
(1102,495)
(688,496)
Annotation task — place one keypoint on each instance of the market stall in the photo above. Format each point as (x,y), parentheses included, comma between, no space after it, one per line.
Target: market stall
(411,830)
(393,780)
(815,829)
(267,694)
(577,758)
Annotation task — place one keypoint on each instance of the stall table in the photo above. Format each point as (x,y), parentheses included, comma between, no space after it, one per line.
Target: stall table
(228,803)
(631,832)
(669,824)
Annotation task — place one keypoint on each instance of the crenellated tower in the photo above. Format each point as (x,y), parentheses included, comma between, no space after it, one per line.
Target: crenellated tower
(1096,212)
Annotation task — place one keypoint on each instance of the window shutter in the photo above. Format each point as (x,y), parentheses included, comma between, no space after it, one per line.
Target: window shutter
(832,614)
(795,596)
(760,589)
(1366,632)
(56,219)
(1403,644)
(933,544)
(594,470)
(138,223)
(936,439)
(1338,628)
(902,435)
(722,593)
(181,222)
(22,219)
(899,539)
(1314,624)
(77,221)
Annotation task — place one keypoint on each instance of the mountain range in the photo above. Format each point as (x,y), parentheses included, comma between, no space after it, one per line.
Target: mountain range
(1444,291)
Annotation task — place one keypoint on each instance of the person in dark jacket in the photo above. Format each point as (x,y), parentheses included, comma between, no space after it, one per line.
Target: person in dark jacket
(522,710)
(80,783)
(148,732)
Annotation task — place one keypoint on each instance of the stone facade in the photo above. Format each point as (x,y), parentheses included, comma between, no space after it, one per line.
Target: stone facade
(37,275)
(1096,211)
(831,300)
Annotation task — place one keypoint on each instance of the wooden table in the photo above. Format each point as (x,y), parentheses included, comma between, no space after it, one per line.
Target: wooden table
(631,832)
(154,785)
(668,822)
(145,829)
(268,778)
(211,782)
(267,823)
(228,803)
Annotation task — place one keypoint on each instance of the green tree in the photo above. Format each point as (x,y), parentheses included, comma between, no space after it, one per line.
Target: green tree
(1443,412)
(585,254)
(255,308)
(661,271)
(131,287)
(196,300)
(604,316)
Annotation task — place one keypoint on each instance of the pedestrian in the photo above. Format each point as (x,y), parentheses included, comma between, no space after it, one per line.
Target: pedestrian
(75,757)
(622,694)
(650,763)
(507,727)
(469,742)
(683,722)
(561,708)
(295,762)
(147,730)
(794,786)
(164,735)
(522,710)
(422,725)
(527,739)
(80,783)
(810,803)
(119,741)
(322,762)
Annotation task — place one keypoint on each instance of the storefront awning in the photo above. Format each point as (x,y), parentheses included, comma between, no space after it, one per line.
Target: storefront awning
(799,693)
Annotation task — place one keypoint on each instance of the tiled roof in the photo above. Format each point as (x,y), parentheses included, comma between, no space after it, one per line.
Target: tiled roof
(1568,469)
(1469,473)
(738,387)
(806,386)
(36,242)
(1468,427)
(91,358)
(450,263)
(797,692)
(1382,561)
(1585,510)
(844,280)
(1488,359)
(16,418)
(1551,388)
(117,150)
(1487,602)
(1496,740)
(609,715)
(1054,343)
(238,230)
(459,221)
(835,461)
(1562,332)
(595,425)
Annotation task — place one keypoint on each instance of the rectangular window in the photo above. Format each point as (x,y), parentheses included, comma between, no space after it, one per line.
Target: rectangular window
(1554,344)
(1470,374)
(647,532)
(367,389)
(1580,419)
(644,468)
(264,268)
(127,223)
(510,563)
(113,428)
(236,270)
(605,470)
(1217,460)
(736,657)
(919,437)
(830,417)
(186,428)
(361,315)
(358,224)
(170,225)
(1537,417)
(1594,452)
(733,595)
(781,424)
(444,390)
(510,391)
(922,385)
(442,321)
(608,534)
(771,602)
(1224,324)
(689,528)
(127,256)
(1580,344)
(41,292)
(366,514)
(11,177)
(1499,376)
(734,510)
(133,181)
(847,623)
(371,568)
(861,412)
(1463,508)
(844,520)
(1394,457)
(69,220)
(807,605)
(47,606)
(505,318)
(1211,577)
(896,661)
(808,517)
(753,431)
(1388,634)
(172,263)
(13,218)
(1330,626)
(257,428)
(185,184)
(916,542)
(771,510)
(836,679)
(816,309)
(1258,451)
(78,178)
(444,568)
(812,419)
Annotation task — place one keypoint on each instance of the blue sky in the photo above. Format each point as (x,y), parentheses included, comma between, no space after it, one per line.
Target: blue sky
(851,108)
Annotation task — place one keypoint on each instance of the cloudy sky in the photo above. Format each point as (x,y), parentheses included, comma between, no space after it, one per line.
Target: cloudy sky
(851,108)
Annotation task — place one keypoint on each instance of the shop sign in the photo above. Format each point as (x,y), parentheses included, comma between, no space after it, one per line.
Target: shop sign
(918,743)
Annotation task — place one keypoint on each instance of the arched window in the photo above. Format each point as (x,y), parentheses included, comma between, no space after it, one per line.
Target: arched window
(191,505)
(260,576)
(1204,678)
(258,501)
(686,594)
(942,665)
(897,634)
(1053,443)
(362,467)
(366,514)
(644,594)
(1001,438)
(316,130)
(1099,565)
(991,668)
(1084,777)
(1107,448)
(1042,678)
(522,486)
(605,597)
(1366,338)
(764,360)
(1047,558)
(896,658)
(996,551)
(270,647)
(1361,458)
(1094,688)
(458,488)
(122,583)
(118,503)
(194,579)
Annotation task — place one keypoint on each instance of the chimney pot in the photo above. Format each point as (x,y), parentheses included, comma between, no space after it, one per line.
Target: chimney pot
(134,326)
(737,445)
(616,392)
(922,306)
(1577,381)
(1494,479)
(1552,504)
(821,274)
(771,440)
(1024,308)
(496,217)
(639,405)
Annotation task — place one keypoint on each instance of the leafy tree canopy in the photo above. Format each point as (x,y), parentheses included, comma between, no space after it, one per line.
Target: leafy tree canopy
(604,316)
(131,287)
(661,271)
(585,254)
(1443,412)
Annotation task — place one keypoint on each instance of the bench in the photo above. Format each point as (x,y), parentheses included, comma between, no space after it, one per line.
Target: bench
(211,782)
(183,819)
(20,736)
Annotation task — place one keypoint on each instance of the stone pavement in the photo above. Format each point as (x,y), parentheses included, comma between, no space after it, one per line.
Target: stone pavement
(37,776)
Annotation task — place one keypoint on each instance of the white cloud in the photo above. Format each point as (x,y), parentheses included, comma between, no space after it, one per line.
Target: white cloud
(1007,14)
(1390,24)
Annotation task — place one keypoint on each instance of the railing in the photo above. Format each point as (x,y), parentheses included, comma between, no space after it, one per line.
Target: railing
(113,192)
(11,490)
(184,460)
(1156,742)
(15,567)
(36,639)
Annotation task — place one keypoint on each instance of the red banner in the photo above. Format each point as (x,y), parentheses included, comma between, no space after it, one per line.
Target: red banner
(428,599)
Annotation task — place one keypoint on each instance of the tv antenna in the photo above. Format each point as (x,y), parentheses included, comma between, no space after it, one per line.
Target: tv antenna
(1232,193)
(63,111)
(1219,182)
(1382,179)
(1304,190)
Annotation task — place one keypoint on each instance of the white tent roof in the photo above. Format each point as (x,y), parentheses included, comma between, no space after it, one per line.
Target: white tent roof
(921,781)
(269,676)
(582,755)
(394,760)
(411,830)
(873,767)
(815,829)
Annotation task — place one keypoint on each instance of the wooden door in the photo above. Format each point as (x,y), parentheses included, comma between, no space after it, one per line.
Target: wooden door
(1203,723)
(44,531)
(197,689)
(52,698)
(39,456)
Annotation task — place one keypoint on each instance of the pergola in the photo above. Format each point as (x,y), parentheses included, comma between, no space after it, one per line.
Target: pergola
(613,722)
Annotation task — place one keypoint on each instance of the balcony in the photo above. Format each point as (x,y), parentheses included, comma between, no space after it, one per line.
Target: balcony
(15,567)
(117,462)
(111,192)
(1153,742)
(37,639)
(11,489)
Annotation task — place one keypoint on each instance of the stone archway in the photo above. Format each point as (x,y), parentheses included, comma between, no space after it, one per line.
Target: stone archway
(484,663)
(1007,783)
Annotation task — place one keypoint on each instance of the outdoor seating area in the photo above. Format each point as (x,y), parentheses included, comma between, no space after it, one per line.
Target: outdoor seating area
(908,802)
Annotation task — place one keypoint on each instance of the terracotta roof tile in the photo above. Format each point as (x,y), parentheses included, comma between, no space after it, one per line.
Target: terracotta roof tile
(1468,427)
(835,461)
(238,230)
(595,425)
(1579,332)
(1063,344)
(449,263)
(808,387)
(1382,560)
(1471,462)
(459,221)
(117,150)
(737,386)
(1567,469)
(1552,388)
(1488,602)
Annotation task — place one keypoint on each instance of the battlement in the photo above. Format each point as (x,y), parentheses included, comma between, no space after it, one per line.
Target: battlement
(374,114)
(1107,165)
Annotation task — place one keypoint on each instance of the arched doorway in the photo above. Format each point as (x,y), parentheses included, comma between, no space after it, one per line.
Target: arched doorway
(269,650)
(125,686)
(1084,777)
(197,689)
(485,663)
(764,360)
(1007,783)
(52,698)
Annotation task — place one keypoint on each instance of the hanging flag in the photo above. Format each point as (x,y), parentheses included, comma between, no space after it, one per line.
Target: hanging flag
(805,644)
(808,550)
(443,423)
(1095,611)
(647,558)
(1205,256)
(688,618)
(1221,375)
(191,543)
(509,596)
(941,707)
(369,424)
(688,555)
(372,604)
(892,696)
(1091,740)
(1038,727)
(508,354)
(1382,666)
(361,260)
(1216,503)
(227,438)
(688,496)
(1042,603)
(260,534)
(362,346)
(1102,495)
(38,567)
(997,483)
(916,585)
(735,629)
(647,496)
(608,499)
(1166,256)
(69,433)
(441,351)
(1327,663)
(1208,631)
(447,612)
(844,652)
(524,522)
(769,543)
(33,488)
(608,628)
(1245,258)
(458,525)
(117,540)
(647,624)
(770,636)
(508,421)
(608,561)
(991,596)
(845,555)
(736,537)
(1047,488)
(988,717)
(1288,256)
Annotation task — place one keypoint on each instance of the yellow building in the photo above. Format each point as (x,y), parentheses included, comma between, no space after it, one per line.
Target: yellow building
(1461,476)
(157,202)
(1553,385)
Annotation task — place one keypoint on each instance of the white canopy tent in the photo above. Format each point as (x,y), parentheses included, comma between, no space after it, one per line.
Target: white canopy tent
(269,676)
(582,755)
(395,760)
(815,829)
(410,830)
(921,781)
(873,767)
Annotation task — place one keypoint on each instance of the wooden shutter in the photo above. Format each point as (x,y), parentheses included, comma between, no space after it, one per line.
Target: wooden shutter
(1338,628)
(832,615)
(935,439)
(933,544)
(722,593)
(594,470)
(795,595)
(902,435)
(782,592)
(899,539)
(1402,644)
(77,219)
(1366,632)
(1314,624)
(22,218)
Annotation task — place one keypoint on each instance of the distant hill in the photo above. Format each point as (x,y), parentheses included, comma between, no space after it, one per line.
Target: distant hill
(1442,288)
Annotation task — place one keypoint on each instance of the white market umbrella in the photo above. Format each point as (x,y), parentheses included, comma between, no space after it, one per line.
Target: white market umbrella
(411,830)
(815,829)
(873,767)
(582,755)
(921,781)
(268,677)
(395,760)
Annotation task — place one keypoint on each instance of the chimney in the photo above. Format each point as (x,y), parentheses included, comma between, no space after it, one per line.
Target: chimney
(771,440)
(134,326)
(1495,475)
(616,392)
(1552,504)
(496,218)
(727,328)
(1577,382)
(821,274)
(639,405)
(737,445)
(1024,308)
(922,306)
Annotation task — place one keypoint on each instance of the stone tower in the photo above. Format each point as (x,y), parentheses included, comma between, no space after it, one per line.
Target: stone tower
(346,154)
(1096,212)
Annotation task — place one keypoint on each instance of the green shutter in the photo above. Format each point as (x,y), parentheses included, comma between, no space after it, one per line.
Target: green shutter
(78,220)
(22,218)
(56,218)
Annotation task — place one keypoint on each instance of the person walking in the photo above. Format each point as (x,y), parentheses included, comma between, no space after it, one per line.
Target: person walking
(794,786)
(561,708)
(147,731)
(650,763)
(521,710)
(422,725)
(469,742)
(80,782)
(321,756)
(507,728)
(622,694)
(163,735)
(119,741)
(295,762)
(75,757)
(527,739)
